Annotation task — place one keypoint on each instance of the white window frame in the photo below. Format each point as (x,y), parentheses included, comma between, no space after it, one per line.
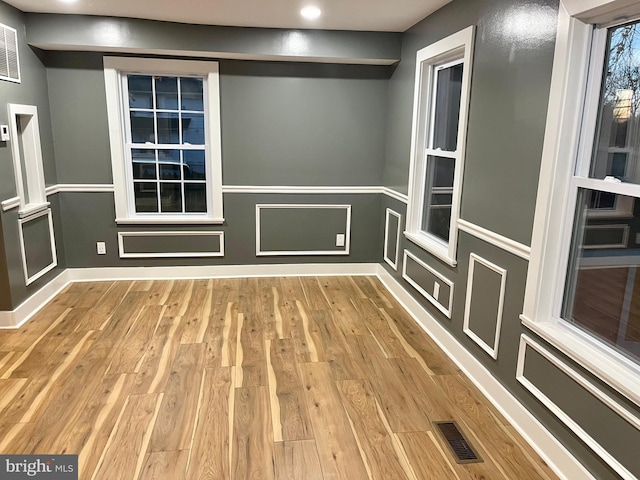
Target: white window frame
(571,100)
(458,46)
(114,70)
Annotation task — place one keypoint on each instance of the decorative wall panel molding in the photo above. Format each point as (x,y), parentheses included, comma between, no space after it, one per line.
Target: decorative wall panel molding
(484,313)
(302,229)
(526,344)
(392,229)
(174,244)
(37,245)
(433,285)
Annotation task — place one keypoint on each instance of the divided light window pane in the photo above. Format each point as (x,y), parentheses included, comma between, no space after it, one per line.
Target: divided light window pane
(167,144)
(616,146)
(447,107)
(436,215)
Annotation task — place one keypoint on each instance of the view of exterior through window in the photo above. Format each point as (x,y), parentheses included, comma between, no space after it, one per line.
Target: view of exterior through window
(441,150)
(602,292)
(165,143)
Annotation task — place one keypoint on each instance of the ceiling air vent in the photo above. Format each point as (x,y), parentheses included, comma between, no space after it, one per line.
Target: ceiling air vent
(9,63)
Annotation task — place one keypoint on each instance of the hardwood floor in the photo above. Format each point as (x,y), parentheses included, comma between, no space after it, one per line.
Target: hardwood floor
(271,378)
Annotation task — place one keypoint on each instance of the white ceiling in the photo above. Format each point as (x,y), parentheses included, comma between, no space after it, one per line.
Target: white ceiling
(367,15)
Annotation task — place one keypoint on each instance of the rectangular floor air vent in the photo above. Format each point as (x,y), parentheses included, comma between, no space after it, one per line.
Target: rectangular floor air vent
(9,62)
(458,444)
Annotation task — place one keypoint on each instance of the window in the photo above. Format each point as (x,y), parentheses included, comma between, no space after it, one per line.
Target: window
(602,295)
(583,286)
(441,101)
(164,126)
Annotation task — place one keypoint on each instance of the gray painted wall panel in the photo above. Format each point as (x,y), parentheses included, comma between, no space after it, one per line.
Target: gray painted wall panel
(620,438)
(5,285)
(301,229)
(485,298)
(281,126)
(37,244)
(81,234)
(79,117)
(394,223)
(427,281)
(171,244)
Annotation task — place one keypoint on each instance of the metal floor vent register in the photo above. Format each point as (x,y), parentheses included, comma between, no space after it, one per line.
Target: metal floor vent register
(460,447)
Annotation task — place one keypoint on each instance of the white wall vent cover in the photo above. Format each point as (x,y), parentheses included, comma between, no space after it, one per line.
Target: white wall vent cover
(9,62)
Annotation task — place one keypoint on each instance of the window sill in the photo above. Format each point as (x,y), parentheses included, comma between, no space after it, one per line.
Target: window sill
(432,246)
(32,209)
(611,367)
(170,221)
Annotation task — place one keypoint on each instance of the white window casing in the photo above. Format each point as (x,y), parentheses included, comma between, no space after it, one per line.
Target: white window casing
(26,150)
(573,102)
(114,70)
(452,50)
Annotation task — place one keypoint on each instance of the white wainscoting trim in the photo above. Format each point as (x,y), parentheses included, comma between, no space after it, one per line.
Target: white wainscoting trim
(525,342)
(10,203)
(54,257)
(35,302)
(14,202)
(278,253)
(299,189)
(500,241)
(402,197)
(556,455)
(80,187)
(394,262)
(124,254)
(491,350)
(446,310)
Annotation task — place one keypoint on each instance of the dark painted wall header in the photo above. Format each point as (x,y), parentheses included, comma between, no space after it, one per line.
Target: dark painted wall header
(127,35)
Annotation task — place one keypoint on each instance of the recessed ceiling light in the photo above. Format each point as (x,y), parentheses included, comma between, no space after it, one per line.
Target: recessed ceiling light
(311,12)
(67,1)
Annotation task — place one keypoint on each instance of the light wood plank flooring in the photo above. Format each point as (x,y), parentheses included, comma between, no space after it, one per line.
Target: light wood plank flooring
(307,378)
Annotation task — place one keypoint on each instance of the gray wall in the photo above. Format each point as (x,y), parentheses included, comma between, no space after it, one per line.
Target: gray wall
(302,124)
(282,124)
(31,91)
(509,98)
(111,34)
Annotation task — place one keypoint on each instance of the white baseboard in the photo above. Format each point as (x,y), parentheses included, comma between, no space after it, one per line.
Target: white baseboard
(548,447)
(35,302)
(565,465)
(221,271)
